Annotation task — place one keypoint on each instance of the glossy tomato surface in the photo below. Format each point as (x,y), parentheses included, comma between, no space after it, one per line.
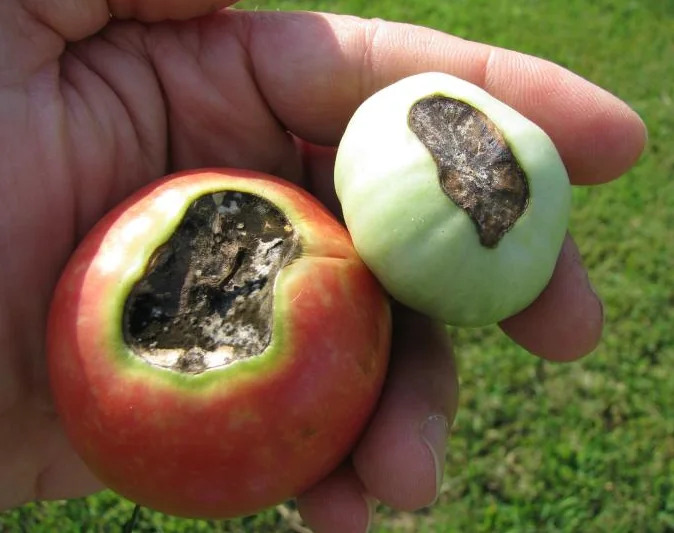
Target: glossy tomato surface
(232,440)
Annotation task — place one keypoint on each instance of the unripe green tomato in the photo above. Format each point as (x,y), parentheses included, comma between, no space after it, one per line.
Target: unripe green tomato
(456,202)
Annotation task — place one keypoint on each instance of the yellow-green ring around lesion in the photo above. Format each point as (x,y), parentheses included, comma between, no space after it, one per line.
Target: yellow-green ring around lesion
(117,292)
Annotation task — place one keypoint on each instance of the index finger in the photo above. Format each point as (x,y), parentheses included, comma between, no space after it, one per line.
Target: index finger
(323,66)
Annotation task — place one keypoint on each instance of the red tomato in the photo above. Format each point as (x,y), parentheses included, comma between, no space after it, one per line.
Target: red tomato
(255,430)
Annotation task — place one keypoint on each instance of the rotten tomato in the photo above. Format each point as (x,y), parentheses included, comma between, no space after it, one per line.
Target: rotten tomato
(216,345)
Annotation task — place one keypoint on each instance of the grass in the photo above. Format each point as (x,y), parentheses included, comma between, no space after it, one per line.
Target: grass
(587,446)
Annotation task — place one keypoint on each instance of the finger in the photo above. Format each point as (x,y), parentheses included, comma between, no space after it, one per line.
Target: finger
(565,322)
(323,66)
(318,163)
(154,10)
(400,458)
(76,19)
(337,504)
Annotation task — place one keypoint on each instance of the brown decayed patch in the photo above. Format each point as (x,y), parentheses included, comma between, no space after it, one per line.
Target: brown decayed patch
(206,298)
(477,169)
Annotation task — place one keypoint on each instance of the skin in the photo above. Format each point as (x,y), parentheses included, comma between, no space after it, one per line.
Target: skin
(83,126)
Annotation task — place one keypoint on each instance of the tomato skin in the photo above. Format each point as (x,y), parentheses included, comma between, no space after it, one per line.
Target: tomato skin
(230,441)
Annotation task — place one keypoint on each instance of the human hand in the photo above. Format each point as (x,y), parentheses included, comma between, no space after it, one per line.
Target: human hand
(127,102)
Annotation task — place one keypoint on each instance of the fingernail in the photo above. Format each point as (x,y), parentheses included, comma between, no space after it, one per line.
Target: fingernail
(590,285)
(601,305)
(371,509)
(597,297)
(434,433)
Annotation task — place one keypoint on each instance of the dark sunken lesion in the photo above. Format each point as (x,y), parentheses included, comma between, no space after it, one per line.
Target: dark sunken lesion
(476,168)
(207,294)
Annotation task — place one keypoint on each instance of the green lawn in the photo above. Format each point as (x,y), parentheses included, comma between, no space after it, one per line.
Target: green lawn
(584,447)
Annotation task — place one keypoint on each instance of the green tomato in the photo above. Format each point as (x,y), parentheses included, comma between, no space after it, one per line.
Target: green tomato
(455,201)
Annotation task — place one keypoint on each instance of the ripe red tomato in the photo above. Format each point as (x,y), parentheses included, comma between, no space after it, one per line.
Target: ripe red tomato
(216,345)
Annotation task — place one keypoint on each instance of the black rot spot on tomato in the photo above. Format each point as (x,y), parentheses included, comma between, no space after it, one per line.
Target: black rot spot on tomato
(477,169)
(207,294)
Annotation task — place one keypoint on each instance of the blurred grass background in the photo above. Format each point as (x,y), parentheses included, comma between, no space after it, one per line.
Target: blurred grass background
(587,446)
